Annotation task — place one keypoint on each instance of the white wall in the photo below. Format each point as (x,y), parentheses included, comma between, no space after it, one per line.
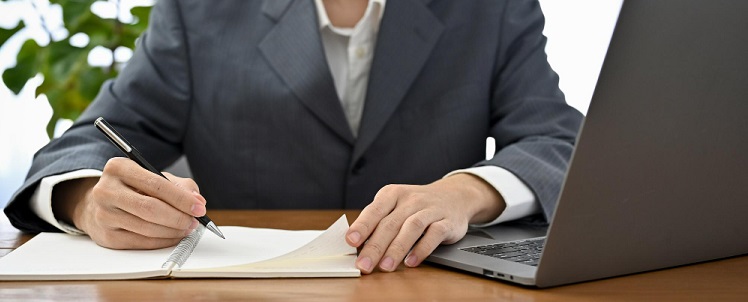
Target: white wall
(578,33)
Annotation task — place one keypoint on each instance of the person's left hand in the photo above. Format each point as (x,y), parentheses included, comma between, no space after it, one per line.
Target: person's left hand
(414,220)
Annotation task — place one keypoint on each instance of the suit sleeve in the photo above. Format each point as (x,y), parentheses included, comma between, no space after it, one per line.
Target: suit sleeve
(148,104)
(534,127)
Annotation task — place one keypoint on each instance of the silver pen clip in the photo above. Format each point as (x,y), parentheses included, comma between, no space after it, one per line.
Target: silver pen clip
(102,124)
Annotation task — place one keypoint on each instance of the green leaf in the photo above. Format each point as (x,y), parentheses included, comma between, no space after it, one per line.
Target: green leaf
(91,80)
(73,10)
(100,31)
(141,13)
(70,83)
(63,57)
(65,104)
(27,66)
(49,86)
(5,34)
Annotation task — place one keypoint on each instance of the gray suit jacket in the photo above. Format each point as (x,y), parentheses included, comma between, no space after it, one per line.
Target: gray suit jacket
(243,90)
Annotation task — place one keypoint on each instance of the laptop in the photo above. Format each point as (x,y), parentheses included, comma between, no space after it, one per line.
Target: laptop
(659,175)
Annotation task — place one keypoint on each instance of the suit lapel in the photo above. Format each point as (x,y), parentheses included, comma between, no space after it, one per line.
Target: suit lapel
(294,49)
(407,34)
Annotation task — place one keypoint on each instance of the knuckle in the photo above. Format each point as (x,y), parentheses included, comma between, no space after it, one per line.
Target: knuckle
(418,199)
(119,166)
(376,209)
(440,229)
(390,190)
(113,165)
(451,240)
(375,248)
(425,246)
(417,222)
(146,206)
(398,248)
(361,226)
(390,224)
(99,190)
(183,221)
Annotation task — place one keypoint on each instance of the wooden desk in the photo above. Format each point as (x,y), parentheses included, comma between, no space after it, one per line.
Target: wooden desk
(714,281)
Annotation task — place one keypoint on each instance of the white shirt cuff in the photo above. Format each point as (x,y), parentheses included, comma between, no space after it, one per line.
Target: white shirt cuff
(519,199)
(41,200)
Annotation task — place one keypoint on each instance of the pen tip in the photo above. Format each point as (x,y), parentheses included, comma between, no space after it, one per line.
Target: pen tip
(213,228)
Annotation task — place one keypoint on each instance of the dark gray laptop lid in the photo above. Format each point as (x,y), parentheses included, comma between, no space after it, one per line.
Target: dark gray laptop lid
(659,177)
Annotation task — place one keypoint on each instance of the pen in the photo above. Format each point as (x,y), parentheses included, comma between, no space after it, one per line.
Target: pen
(135,155)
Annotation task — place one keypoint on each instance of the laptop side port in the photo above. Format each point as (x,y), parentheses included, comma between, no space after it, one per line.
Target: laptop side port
(492,274)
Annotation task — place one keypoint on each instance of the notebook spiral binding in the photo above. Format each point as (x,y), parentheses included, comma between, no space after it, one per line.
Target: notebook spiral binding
(184,249)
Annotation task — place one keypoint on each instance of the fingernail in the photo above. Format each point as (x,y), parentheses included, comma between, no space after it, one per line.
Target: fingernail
(198,210)
(364,264)
(411,260)
(199,197)
(354,237)
(387,264)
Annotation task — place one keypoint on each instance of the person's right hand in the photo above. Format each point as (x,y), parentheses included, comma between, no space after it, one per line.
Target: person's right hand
(130,207)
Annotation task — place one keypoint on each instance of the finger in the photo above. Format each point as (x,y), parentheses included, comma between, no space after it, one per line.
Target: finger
(126,240)
(158,187)
(412,229)
(387,229)
(436,233)
(145,228)
(153,210)
(154,185)
(384,202)
(188,184)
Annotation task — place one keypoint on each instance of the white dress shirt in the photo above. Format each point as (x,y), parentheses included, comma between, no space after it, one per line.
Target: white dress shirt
(349,53)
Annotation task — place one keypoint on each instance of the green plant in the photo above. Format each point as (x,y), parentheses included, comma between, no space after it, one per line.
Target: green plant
(70,82)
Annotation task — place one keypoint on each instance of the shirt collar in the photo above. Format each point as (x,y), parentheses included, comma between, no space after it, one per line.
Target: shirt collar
(324,20)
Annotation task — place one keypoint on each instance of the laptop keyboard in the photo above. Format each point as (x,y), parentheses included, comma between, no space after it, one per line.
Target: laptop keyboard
(522,251)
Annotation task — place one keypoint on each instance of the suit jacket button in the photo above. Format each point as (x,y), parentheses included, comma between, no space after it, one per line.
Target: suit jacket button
(360,163)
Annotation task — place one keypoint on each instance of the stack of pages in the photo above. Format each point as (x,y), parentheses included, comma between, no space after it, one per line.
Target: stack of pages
(245,253)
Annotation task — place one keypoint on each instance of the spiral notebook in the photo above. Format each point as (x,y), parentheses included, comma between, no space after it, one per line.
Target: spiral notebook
(246,253)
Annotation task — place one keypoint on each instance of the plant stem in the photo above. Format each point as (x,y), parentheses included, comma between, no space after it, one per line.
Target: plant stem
(42,20)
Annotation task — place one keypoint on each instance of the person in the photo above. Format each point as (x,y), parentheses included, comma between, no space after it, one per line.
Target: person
(374,105)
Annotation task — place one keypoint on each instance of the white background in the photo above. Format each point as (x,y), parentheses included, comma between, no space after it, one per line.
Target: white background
(578,33)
